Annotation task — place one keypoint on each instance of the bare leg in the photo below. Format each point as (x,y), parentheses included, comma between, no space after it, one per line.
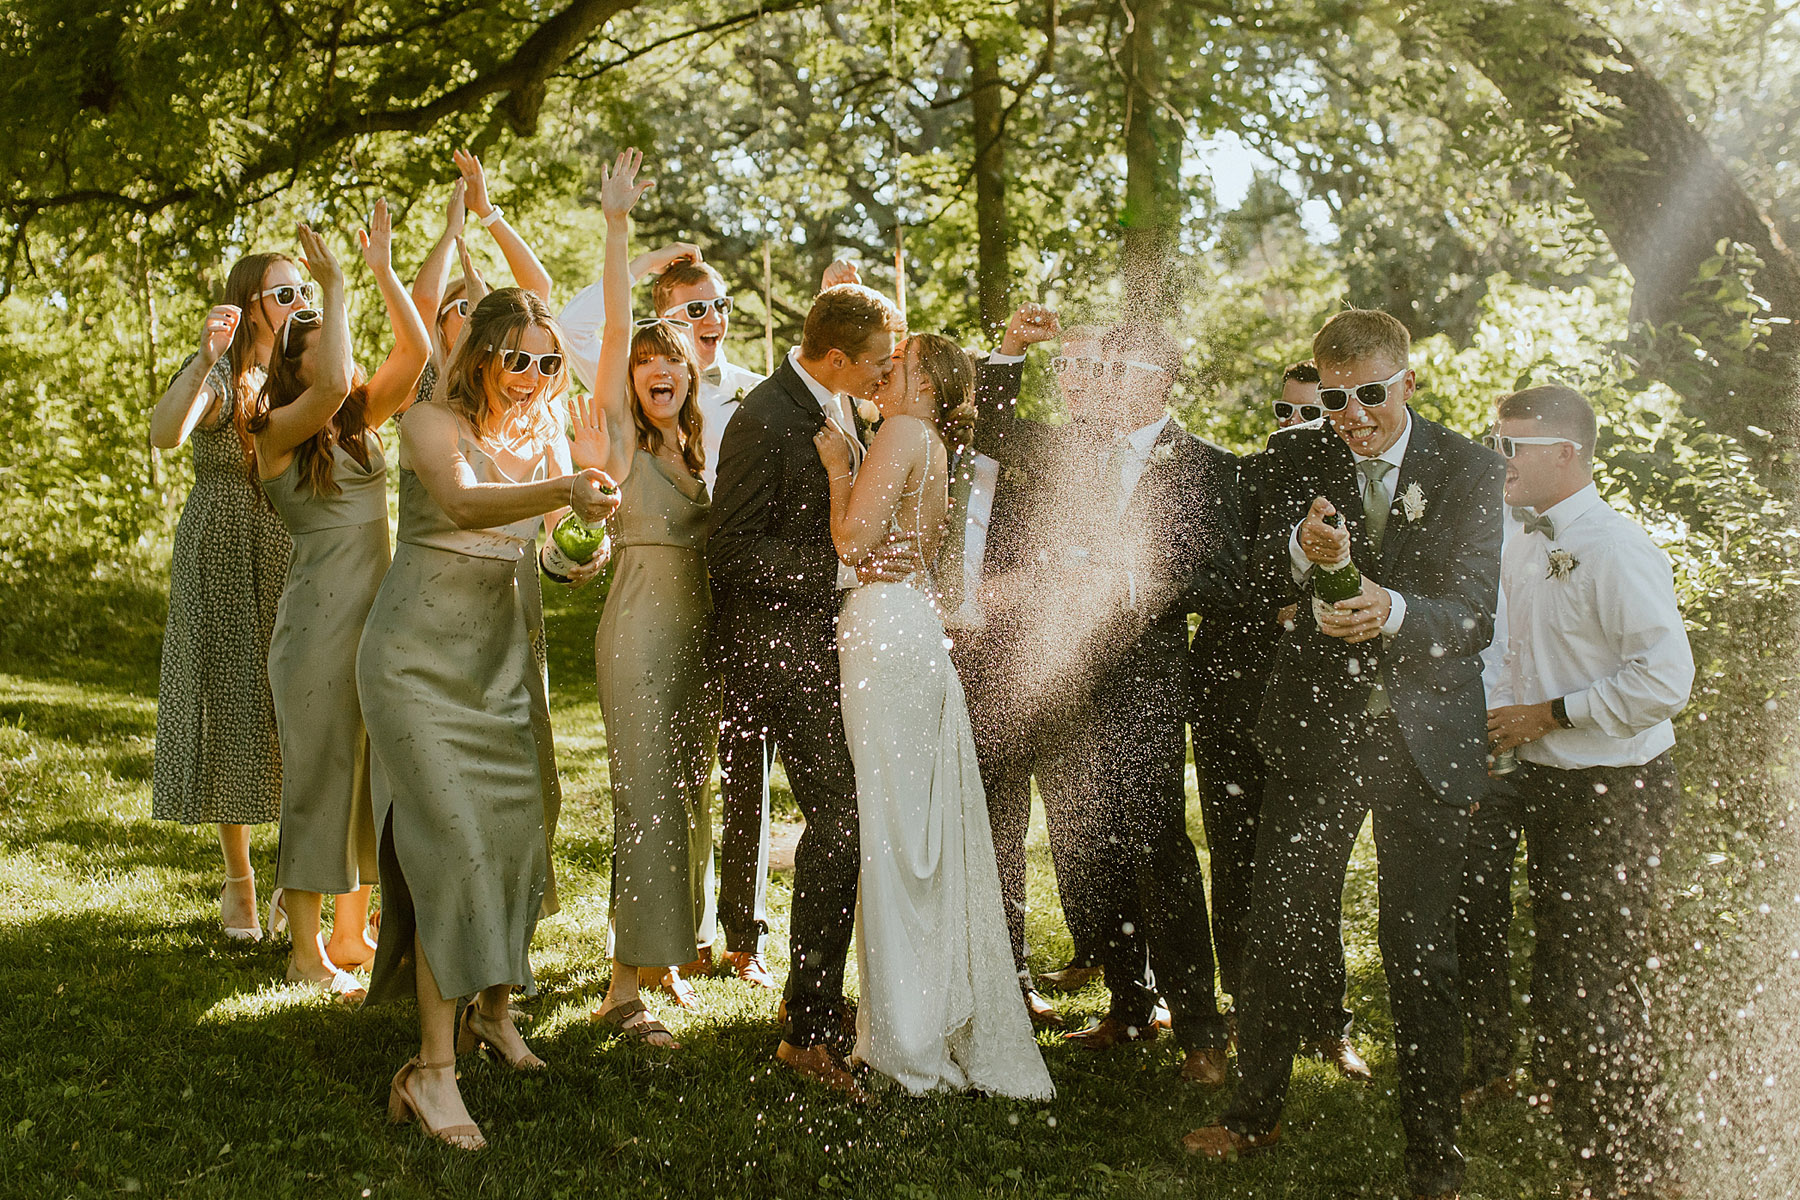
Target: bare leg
(349,945)
(622,989)
(305,960)
(493,1010)
(434,1091)
(237,904)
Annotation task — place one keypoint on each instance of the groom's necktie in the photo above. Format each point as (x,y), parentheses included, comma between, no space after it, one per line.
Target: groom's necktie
(1376,499)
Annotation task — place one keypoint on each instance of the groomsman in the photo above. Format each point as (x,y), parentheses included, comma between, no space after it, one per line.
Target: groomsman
(1233,651)
(1145,515)
(1375,703)
(776,581)
(1597,663)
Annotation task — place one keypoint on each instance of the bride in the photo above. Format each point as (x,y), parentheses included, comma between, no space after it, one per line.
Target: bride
(940,1004)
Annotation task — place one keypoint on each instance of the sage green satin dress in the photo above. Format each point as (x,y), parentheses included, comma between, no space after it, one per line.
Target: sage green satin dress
(662,715)
(339,558)
(454,691)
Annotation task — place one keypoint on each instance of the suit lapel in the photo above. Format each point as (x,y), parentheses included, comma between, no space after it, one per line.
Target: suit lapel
(1157,466)
(1422,465)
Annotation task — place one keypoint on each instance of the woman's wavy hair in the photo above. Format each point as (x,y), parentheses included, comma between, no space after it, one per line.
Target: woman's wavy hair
(952,378)
(668,341)
(499,321)
(244,280)
(348,426)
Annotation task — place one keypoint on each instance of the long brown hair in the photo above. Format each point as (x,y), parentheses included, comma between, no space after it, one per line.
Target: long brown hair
(952,378)
(348,426)
(663,339)
(242,284)
(498,321)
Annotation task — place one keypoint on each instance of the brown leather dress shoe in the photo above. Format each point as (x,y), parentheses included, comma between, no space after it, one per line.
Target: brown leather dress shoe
(748,966)
(1069,979)
(702,964)
(1204,1067)
(669,981)
(1109,1032)
(1341,1054)
(817,1065)
(1043,1014)
(1222,1145)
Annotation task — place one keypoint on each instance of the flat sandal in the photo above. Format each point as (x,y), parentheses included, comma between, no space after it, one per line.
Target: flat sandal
(615,1017)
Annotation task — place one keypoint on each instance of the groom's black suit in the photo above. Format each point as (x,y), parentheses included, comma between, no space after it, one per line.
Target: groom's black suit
(1104,677)
(1419,766)
(775,601)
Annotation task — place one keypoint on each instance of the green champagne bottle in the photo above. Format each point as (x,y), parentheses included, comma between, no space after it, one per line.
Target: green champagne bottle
(572,543)
(1339,581)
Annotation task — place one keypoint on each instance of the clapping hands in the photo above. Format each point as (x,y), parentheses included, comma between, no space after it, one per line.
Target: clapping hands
(474,181)
(377,241)
(619,187)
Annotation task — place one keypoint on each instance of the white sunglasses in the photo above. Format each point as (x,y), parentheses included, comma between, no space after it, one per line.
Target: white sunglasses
(1506,446)
(287,293)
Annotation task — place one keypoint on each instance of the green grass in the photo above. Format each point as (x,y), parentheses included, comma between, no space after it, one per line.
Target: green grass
(141,1053)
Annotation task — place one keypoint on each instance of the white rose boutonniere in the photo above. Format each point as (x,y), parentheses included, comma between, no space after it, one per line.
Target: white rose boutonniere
(1561,564)
(1412,501)
(869,411)
(1163,452)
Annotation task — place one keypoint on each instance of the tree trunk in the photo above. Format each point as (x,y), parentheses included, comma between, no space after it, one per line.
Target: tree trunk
(1660,194)
(993,273)
(1152,166)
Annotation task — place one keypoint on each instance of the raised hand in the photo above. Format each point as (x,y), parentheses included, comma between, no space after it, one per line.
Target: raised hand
(588,443)
(221,325)
(619,188)
(1029,325)
(474,286)
(593,495)
(841,271)
(377,241)
(474,181)
(655,262)
(321,264)
(456,209)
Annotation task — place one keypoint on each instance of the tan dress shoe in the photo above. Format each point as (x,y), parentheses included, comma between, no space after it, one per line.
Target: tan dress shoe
(1341,1054)
(1043,1014)
(1205,1067)
(1109,1032)
(1223,1145)
(816,1064)
(748,966)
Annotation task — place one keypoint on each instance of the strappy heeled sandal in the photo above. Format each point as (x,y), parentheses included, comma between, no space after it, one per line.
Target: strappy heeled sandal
(614,1018)
(474,1032)
(240,933)
(403,1108)
(342,986)
(277,912)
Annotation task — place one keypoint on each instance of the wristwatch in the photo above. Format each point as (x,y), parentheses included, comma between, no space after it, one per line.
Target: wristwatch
(1559,712)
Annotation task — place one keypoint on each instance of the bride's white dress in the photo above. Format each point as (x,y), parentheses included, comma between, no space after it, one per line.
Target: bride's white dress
(940,1005)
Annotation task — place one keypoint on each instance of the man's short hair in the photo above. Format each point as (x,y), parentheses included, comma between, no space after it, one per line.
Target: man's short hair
(1357,334)
(1559,411)
(681,273)
(1081,333)
(1301,372)
(847,317)
(1143,341)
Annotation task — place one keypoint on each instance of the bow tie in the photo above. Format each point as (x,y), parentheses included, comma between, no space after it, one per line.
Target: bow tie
(1535,522)
(714,375)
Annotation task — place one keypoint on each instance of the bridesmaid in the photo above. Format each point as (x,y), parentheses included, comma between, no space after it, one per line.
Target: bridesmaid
(660,713)
(319,456)
(217,757)
(448,303)
(450,679)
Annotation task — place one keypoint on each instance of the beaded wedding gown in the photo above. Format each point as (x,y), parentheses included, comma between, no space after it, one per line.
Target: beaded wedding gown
(940,1004)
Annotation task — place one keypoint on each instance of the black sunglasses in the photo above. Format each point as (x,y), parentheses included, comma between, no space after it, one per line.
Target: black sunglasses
(696,309)
(1308,412)
(1369,395)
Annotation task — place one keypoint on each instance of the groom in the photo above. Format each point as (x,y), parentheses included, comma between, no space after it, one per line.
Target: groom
(776,581)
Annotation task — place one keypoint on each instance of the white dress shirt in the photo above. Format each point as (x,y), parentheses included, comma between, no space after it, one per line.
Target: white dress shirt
(837,415)
(1493,659)
(1607,637)
(1135,460)
(583,320)
(1303,565)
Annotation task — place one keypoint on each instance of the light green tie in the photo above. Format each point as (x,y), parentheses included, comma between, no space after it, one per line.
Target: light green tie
(1376,499)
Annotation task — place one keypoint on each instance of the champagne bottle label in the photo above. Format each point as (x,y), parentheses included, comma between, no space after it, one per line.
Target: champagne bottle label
(556,564)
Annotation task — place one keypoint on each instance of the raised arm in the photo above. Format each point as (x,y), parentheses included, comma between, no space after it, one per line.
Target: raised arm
(434,272)
(429,447)
(396,380)
(191,397)
(294,423)
(1000,433)
(619,192)
(527,271)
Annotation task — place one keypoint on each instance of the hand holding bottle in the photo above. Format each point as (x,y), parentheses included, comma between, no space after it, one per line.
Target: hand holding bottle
(1323,544)
(593,496)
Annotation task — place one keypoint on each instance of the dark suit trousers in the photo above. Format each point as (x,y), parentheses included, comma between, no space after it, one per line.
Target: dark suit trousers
(781,697)
(1125,784)
(1595,840)
(1483,920)
(1232,777)
(1310,817)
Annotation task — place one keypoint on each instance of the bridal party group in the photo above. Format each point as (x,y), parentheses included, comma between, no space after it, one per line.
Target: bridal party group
(870,566)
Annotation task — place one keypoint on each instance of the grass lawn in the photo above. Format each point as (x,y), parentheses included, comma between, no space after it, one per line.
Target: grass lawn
(142,1053)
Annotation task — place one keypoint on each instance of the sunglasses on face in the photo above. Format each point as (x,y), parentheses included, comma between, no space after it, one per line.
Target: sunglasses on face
(653,322)
(288,293)
(305,317)
(696,309)
(460,307)
(1094,368)
(1506,447)
(1308,412)
(517,362)
(1369,395)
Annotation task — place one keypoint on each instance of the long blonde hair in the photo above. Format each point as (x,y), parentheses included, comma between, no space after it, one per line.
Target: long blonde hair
(499,321)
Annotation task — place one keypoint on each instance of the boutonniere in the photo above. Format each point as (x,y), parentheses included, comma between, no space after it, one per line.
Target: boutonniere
(1561,564)
(739,397)
(869,411)
(1162,452)
(1412,501)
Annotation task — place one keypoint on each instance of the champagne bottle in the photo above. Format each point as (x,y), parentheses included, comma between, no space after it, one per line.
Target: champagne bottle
(572,543)
(1340,580)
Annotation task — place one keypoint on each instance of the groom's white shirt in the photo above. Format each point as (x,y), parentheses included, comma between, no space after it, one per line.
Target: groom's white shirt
(837,415)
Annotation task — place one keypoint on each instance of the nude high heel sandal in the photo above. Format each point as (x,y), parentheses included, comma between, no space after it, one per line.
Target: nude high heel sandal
(240,933)
(403,1108)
